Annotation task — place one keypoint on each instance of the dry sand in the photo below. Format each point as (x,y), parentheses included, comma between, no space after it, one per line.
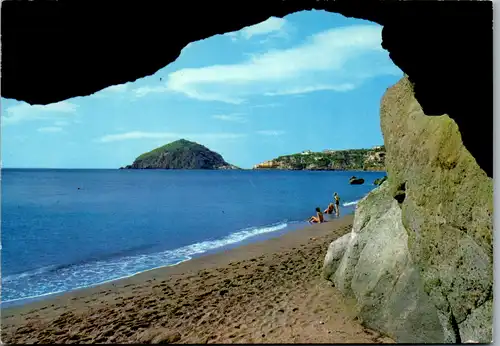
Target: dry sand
(267,292)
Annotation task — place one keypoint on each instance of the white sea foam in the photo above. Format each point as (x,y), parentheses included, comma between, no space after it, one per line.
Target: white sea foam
(347,204)
(52,280)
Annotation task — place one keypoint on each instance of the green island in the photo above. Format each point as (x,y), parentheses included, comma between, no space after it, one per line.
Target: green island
(181,154)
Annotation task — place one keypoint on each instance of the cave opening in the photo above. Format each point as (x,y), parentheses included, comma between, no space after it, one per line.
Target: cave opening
(97,225)
(314,75)
(424,39)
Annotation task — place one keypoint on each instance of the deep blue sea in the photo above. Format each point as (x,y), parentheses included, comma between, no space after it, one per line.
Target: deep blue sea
(66,229)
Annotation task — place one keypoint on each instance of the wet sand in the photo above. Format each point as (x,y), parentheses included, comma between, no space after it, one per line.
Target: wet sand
(267,292)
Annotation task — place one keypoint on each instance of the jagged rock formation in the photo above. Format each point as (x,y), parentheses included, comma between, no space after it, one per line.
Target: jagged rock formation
(425,39)
(373,265)
(181,154)
(422,243)
(338,160)
(447,210)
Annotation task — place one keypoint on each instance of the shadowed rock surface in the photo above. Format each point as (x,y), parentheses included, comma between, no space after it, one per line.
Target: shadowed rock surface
(420,259)
(56,50)
(181,154)
(376,269)
(447,209)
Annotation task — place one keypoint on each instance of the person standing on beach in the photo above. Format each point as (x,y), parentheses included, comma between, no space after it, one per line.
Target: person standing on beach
(337,204)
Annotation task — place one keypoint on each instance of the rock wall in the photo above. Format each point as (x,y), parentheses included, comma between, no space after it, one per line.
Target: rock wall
(420,258)
(376,269)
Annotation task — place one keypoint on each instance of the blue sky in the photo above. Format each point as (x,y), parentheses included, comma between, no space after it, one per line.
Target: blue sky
(310,81)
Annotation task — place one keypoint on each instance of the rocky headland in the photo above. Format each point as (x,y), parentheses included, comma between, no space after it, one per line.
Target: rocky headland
(330,160)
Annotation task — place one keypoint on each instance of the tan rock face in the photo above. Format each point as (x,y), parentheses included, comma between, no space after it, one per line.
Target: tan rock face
(447,210)
(419,261)
(376,269)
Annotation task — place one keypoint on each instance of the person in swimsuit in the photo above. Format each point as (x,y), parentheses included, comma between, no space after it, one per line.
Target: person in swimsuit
(337,204)
(318,218)
(330,209)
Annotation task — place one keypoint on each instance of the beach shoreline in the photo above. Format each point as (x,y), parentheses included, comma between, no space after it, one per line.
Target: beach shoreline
(254,238)
(256,284)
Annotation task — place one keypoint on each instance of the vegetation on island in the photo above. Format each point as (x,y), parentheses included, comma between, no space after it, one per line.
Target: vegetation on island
(181,154)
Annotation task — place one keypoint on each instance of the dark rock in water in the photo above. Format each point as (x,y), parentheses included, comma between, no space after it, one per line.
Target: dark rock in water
(181,154)
(356,181)
(379,181)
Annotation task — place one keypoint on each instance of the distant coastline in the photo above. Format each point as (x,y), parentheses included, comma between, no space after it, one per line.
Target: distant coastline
(183,169)
(372,159)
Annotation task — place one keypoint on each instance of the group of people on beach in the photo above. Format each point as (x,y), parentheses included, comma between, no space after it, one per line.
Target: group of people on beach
(332,208)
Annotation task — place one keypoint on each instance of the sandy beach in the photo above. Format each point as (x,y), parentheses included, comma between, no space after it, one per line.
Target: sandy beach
(266,292)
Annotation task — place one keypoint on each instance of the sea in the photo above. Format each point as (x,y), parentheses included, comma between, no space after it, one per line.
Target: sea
(67,229)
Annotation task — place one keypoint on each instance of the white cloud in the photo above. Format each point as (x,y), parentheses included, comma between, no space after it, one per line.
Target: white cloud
(50,129)
(142,91)
(271,132)
(339,60)
(267,105)
(166,136)
(236,117)
(312,88)
(116,88)
(232,35)
(25,112)
(272,25)
(61,123)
